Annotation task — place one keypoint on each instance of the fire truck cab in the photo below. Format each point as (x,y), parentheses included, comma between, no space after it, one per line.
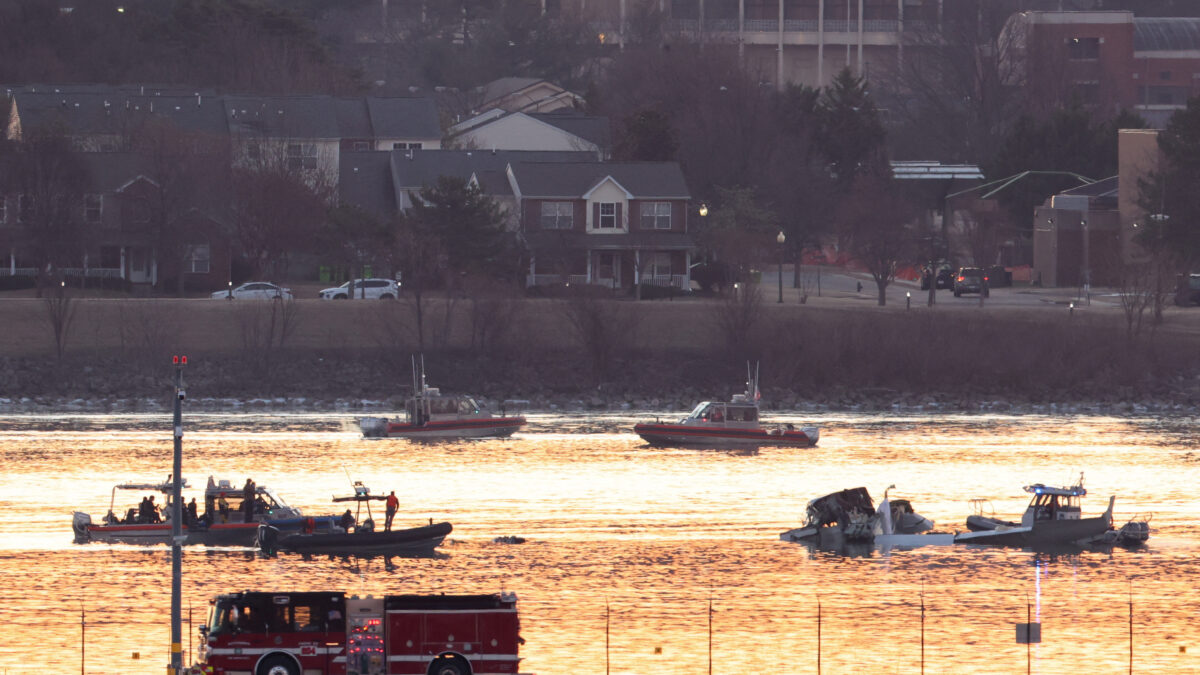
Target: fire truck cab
(313,633)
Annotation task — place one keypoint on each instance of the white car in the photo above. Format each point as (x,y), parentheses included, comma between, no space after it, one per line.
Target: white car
(371,289)
(254,290)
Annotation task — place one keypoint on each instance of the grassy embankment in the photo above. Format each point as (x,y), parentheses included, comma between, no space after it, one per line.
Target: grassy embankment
(658,352)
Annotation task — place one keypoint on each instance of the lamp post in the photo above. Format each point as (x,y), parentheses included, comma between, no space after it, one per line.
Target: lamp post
(230,295)
(780,238)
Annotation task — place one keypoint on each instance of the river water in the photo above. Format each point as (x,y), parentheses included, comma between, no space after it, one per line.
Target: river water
(628,545)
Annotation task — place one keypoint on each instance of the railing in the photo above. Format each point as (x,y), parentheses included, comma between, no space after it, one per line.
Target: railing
(672,281)
(91,272)
(692,26)
(554,279)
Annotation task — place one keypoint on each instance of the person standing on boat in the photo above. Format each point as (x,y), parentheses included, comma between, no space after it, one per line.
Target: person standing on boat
(223,508)
(347,520)
(392,504)
(191,512)
(248,501)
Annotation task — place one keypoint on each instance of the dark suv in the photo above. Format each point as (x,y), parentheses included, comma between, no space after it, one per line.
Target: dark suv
(938,273)
(970,280)
(1187,290)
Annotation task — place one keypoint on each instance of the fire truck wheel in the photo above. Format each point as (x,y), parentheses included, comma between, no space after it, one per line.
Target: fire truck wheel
(277,665)
(450,665)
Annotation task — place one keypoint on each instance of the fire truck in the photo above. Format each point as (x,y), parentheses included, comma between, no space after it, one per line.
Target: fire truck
(261,633)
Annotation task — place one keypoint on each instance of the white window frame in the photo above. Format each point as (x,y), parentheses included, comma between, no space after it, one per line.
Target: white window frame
(302,155)
(558,215)
(660,261)
(602,217)
(93,207)
(199,259)
(656,215)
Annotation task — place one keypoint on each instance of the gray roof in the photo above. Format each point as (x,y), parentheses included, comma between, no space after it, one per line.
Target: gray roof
(116,112)
(505,86)
(644,180)
(573,239)
(420,168)
(353,121)
(1166,34)
(312,117)
(588,127)
(365,182)
(404,117)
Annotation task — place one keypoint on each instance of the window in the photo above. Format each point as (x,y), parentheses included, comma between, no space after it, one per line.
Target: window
(1083,48)
(406,146)
(25,208)
(557,216)
(3,210)
(199,257)
(301,156)
(608,216)
(362,145)
(660,266)
(656,215)
(93,208)
(139,210)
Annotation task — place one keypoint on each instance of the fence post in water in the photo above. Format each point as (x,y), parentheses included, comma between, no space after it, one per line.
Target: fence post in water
(82,638)
(606,625)
(1029,643)
(922,632)
(818,635)
(1131,627)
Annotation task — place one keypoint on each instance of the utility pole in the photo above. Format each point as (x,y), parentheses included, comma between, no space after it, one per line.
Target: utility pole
(177,535)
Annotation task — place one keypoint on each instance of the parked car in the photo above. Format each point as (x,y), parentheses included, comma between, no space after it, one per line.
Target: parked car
(970,280)
(371,289)
(944,276)
(1187,290)
(254,290)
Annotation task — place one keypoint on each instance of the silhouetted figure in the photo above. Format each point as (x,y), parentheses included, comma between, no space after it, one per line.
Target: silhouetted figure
(248,501)
(392,504)
(347,520)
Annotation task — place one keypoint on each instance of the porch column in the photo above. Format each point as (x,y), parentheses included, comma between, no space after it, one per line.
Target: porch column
(153,268)
(588,253)
(124,269)
(532,280)
(12,262)
(687,270)
(637,266)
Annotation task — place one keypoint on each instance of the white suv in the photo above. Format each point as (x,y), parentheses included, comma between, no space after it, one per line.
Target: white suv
(371,289)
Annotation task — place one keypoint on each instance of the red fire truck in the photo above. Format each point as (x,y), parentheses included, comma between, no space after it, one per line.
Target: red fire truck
(258,633)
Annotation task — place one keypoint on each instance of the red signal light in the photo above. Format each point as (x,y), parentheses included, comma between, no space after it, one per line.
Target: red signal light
(185,360)
(175,360)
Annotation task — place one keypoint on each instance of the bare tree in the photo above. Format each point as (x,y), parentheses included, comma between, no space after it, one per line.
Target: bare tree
(602,327)
(875,223)
(60,312)
(148,331)
(736,316)
(265,328)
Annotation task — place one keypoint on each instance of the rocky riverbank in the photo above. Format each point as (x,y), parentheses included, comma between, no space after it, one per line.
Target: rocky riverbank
(551,384)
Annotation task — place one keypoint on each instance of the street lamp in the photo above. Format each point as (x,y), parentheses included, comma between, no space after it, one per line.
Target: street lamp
(780,238)
(703,209)
(230,296)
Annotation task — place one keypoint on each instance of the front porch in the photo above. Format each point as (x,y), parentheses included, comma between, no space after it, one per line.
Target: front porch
(612,268)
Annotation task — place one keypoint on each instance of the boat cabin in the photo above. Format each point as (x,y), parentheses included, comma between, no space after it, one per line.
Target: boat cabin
(725,413)
(431,405)
(1051,503)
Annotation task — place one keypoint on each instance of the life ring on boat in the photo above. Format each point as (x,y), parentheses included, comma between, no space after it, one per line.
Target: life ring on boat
(309,525)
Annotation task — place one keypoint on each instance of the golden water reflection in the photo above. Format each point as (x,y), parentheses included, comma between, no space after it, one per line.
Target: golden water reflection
(650,534)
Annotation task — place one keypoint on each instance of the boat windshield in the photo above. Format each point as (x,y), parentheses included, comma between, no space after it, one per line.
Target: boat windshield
(698,411)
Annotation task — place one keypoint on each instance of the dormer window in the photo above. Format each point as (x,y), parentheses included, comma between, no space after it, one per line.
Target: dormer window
(93,208)
(608,216)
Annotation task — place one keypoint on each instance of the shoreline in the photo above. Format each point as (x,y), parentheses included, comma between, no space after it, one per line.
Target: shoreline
(574,405)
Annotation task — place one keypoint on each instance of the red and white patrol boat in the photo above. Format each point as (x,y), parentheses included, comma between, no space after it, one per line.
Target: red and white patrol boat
(734,423)
(317,633)
(430,415)
(222,523)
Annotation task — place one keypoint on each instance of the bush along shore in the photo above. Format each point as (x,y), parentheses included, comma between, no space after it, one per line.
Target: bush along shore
(569,382)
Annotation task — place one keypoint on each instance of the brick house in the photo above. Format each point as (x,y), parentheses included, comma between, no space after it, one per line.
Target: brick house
(614,224)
